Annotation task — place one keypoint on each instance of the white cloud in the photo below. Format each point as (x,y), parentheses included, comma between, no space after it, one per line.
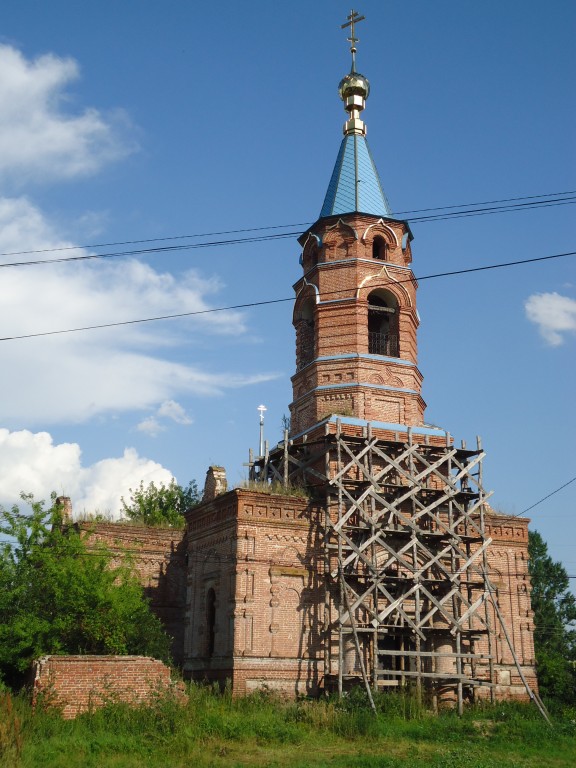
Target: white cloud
(74,376)
(151,426)
(39,140)
(170,409)
(33,464)
(554,315)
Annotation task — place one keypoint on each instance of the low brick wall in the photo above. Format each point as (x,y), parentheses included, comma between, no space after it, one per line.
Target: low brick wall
(77,684)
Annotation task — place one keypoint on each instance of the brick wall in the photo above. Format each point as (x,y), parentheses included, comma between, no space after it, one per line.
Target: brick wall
(255,606)
(79,684)
(254,595)
(158,555)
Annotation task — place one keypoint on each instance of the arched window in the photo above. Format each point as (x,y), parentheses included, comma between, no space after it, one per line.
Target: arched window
(210,621)
(305,335)
(379,248)
(383,324)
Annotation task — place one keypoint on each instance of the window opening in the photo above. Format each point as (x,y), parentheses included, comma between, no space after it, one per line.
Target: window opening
(383,325)
(210,621)
(305,336)
(379,248)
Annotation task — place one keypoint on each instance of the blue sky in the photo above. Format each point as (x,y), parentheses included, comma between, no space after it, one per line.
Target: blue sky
(135,120)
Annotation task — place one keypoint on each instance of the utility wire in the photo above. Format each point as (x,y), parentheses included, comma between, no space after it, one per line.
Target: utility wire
(145,251)
(491,211)
(279,301)
(469,211)
(487,202)
(161,239)
(545,497)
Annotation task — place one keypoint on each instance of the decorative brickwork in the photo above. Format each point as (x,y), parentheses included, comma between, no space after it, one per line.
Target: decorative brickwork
(77,684)
(256,600)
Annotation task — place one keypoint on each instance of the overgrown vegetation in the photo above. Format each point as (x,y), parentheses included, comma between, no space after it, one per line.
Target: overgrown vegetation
(161,505)
(210,729)
(275,488)
(554,609)
(59,595)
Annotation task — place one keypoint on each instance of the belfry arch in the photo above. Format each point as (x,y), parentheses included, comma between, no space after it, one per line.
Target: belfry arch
(379,248)
(383,325)
(305,325)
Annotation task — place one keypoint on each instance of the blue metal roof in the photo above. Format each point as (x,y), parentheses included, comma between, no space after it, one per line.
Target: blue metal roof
(355,184)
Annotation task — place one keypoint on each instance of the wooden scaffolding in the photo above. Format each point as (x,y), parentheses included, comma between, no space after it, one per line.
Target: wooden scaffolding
(407,597)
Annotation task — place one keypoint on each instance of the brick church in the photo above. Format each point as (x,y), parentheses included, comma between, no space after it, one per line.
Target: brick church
(379,563)
(363,551)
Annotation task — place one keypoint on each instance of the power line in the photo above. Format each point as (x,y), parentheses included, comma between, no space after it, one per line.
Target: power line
(147,251)
(252,304)
(163,239)
(545,497)
(468,212)
(487,202)
(490,211)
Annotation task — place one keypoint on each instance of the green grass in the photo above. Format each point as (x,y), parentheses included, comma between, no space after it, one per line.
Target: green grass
(209,729)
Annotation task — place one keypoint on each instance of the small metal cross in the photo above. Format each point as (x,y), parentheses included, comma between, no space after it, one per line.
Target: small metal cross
(353,19)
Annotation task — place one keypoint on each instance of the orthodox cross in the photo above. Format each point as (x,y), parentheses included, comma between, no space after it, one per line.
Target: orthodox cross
(353,19)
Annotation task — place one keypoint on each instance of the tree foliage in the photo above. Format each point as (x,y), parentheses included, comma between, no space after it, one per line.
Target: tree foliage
(161,504)
(554,609)
(57,596)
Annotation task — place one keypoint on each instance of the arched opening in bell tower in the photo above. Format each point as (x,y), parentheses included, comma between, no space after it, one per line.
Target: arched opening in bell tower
(379,246)
(383,323)
(305,334)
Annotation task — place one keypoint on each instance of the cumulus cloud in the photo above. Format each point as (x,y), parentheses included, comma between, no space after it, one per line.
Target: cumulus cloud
(554,314)
(41,141)
(32,463)
(73,377)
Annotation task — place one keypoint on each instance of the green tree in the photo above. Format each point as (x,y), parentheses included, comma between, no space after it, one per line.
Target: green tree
(161,504)
(57,596)
(554,609)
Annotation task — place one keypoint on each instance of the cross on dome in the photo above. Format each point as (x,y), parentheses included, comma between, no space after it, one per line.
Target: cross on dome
(353,19)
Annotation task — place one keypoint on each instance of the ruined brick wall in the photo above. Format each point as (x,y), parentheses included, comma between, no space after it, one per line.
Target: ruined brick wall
(77,684)
(159,558)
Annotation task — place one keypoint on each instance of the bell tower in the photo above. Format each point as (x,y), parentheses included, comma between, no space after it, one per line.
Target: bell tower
(355,313)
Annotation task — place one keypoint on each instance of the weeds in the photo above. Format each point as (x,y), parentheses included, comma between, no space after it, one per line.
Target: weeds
(210,728)
(11,741)
(274,488)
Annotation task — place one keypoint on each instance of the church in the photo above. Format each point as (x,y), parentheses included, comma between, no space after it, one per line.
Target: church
(363,550)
